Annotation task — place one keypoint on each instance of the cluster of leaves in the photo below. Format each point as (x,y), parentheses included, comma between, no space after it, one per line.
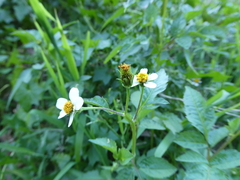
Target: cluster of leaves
(51,47)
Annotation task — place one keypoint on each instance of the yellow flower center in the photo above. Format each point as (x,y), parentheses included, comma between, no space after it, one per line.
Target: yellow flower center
(68,107)
(142,77)
(197,80)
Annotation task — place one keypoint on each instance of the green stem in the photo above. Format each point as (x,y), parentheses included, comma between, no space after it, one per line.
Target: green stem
(134,138)
(101,108)
(127,99)
(228,109)
(229,140)
(139,104)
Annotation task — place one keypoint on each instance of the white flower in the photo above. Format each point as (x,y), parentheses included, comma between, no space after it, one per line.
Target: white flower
(196,81)
(143,78)
(70,107)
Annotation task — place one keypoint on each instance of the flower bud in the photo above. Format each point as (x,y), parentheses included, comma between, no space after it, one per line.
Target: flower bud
(126,75)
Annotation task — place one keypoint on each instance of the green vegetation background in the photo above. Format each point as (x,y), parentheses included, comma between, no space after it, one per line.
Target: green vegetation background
(46,50)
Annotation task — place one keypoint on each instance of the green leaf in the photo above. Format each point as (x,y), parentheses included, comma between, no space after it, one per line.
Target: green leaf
(192,157)
(96,101)
(191,140)
(198,113)
(164,144)
(64,170)
(226,159)
(112,53)
(150,14)
(17,149)
(154,123)
(106,143)
(135,97)
(218,98)
(192,14)
(151,93)
(230,19)
(216,135)
(172,122)
(119,12)
(156,167)
(189,62)
(177,26)
(233,125)
(204,172)
(184,41)
(124,156)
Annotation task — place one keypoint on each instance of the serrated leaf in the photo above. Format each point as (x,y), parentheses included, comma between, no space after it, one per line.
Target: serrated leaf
(156,167)
(106,143)
(198,113)
(191,139)
(233,125)
(154,123)
(226,159)
(192,157)
(125,156)
(216,135)
(192,14)
(204,172)
(149,93)
(184,41)
(172,122)
(96,101)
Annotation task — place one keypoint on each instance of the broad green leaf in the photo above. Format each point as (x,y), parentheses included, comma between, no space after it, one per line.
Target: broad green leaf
(184,41)
(96,101)
(198,113)
(156,167)
(192,14)
(24,36)
(119,12)
(164,144)
(64,171)
(226,159)
(177,25)
(216,135)
(192,157)
(135,97)
(154,123)
(150,14)
(24,77)
(218,98)
(230,19)
(17,149)
(188,59)
(204,172)
(191,140)
(106,143)
(89,175)
(125,173)
(233,125)
(172,122)
(151,93)
(124,156)
(112,54)
(78,150)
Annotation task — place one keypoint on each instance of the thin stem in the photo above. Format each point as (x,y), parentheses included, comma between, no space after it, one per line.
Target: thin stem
(228,109)
(101,108)
(127,99)
(134,138)
(229,140)
(139,104)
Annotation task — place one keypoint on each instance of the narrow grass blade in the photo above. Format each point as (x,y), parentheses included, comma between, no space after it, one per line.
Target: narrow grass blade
(64,170)
(115,15)
(112,54)
(86,46)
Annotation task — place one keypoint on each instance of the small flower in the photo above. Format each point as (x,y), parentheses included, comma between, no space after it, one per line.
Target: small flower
(70,107)
(196,81)
(126,75)
(143,78)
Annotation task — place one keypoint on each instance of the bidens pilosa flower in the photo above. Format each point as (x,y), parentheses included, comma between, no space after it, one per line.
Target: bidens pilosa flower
(126,76)
(70,107)
(143,78)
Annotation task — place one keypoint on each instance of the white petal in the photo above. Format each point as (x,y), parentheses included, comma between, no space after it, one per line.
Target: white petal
(62,114)
(73,93)
(144,70)
(152,76)
(60,103)
(150,84)
(78,102)
(135,82)
(70,119)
